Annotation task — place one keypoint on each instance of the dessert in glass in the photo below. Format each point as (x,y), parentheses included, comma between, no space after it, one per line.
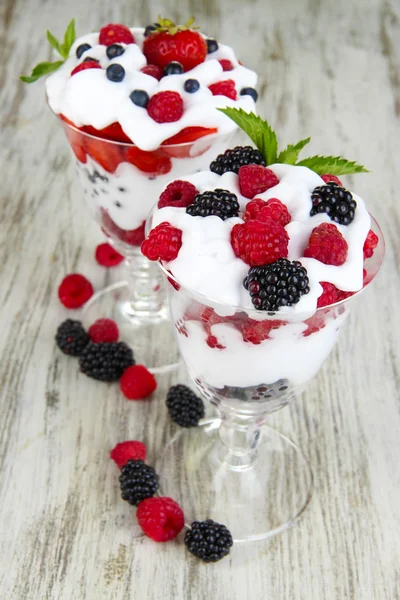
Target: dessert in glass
(262,269)
(138,107)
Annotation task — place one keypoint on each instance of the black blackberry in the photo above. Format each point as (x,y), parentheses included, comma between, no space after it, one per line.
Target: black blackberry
(137,481)
(234,158)
(335,201)
(220,203)
(184,407)
(281,283)
(106,361)
(208,540)
(71,337)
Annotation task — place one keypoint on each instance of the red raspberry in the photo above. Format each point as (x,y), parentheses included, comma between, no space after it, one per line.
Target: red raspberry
(178,193)
(327,245)
(114,33)
(163,242)
(153,71)
(314,324)
(137,383)
(160,518)
(165,107)
(333,178)
(107,256)
(75,290)
(259,243)
(129,450)
(271,209)
(370,244)
(90,64)
(224,88)
(256,179)
(226,64)
(256,332)
(329,295)
(103,330)
(344,295)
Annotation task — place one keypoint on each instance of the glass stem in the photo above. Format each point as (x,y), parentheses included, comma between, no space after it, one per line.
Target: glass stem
(146,286)
(238,440)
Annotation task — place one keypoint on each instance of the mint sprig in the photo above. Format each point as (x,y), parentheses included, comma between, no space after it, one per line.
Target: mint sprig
(63,48)
(264,137)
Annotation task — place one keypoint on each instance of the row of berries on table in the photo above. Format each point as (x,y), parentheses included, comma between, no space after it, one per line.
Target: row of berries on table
(161,518)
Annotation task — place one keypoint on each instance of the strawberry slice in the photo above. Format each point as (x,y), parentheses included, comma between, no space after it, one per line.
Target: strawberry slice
(190,134)
(155,162)
(106,154)
(76,140)
(112,132)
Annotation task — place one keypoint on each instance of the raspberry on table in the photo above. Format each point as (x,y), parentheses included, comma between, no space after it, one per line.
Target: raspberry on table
(165,107)
(163,242)
(178,193)
(330,294)
(331,178)
(161,518)
(107,256)
(259,243)
(71,337)
(86,64)
(281,283)
(224,88)
(153,71)
(370,244)
(234,158)
(208,540)
(104,330)
(262,210)
(256,179)
(137,383)
(184,407)
(334,200)
(75,290)
(220,203)
(138,481)
(115,33)
(327,245)
(129,450)
(105,361)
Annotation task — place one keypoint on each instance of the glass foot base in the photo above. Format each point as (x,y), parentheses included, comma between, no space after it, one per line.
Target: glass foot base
(255,502)
(150,335)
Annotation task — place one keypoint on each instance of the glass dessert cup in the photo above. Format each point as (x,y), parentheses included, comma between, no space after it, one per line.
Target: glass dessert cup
(121,183)
(235,469)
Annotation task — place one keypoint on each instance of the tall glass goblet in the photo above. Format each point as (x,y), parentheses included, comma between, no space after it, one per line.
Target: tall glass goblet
(121,183)
(247,363)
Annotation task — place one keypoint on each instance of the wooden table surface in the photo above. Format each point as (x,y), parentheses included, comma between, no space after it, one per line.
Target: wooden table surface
(327,69)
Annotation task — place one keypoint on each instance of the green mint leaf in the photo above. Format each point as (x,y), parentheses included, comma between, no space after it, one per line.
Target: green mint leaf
(332,165)
(258,130)
(53,41)
(291,153)
(40,70)
(69,38)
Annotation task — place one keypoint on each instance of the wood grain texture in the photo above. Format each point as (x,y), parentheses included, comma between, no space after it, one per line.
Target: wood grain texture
(327,69)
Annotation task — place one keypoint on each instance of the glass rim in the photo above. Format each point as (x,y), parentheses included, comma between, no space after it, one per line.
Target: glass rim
(209,136)
(254,311)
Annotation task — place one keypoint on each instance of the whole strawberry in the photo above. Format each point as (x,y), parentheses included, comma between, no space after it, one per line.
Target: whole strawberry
(170,42)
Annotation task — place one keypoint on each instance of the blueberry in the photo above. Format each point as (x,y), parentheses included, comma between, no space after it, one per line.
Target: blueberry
(212,45)
(114,50)
(150,28)
(115,72)
(90,59)
(191,86)
(173,68)
(249,92)
(140,98)
(81,49)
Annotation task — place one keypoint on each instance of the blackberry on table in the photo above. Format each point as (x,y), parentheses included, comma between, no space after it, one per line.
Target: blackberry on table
(208,540)
(106,361)
(71,337)
(281,283)
(335,201)
(184,407)
(234,158)
(138,481)
(220,203)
